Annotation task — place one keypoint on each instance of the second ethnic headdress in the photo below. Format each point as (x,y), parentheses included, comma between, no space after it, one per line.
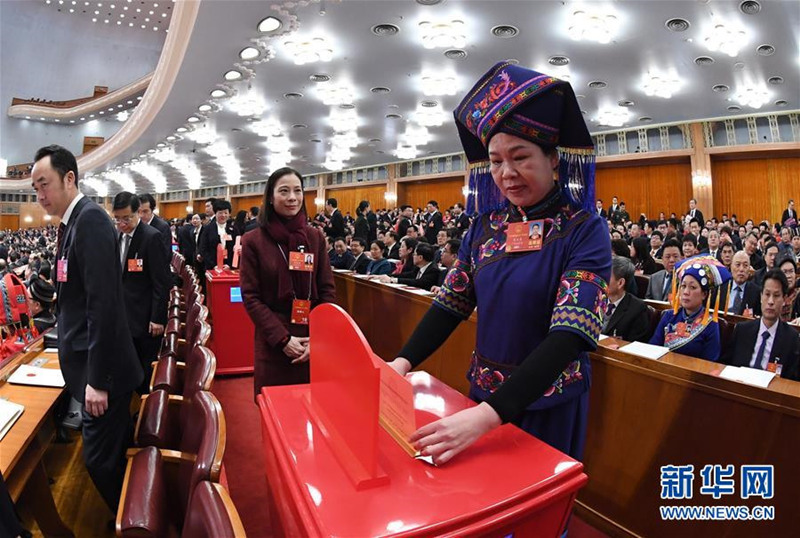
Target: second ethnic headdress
(710,273)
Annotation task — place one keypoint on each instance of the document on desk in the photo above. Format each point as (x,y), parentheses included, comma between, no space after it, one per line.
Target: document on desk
(648,351)
(40,377)
(749,376)
(50,350)
(9,413)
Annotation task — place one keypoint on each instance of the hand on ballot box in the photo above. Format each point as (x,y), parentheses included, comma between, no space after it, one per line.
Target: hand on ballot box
(445,438)
(400,365)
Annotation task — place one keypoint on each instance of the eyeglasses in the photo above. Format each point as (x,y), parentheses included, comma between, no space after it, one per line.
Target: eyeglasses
(126,219)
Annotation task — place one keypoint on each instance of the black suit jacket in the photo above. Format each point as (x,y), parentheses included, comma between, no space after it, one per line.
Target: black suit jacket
(393,252)
(428,279)
(786,347)
(186,244)
(462,224)
(335,228)
(630,320)
(146,291)
(372,219)
(699,216)
(402,226)
(166,235)
(251,224)
(94,342)
(433,226)
(786,215)
(208,241)
(359,265)
(751,298)
(602,213)
(361,228)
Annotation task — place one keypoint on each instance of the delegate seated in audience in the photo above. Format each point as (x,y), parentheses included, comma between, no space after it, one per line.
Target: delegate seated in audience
(425,274)
(641,258)
(449,257)
(689,246)
(656,244)
(745,295)
(771,251)
(751,248)
(767,343)
(726,254)
(796,244)
(620,248)
(407,246)
(791,306)
(689,327)
(660,285)
(361,260)
(40,303)
(379,265)
(392,242)
(626,316)
(340,257)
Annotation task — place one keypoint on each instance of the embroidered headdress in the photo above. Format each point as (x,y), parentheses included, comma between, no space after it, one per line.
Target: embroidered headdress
(709,273)
(533,106)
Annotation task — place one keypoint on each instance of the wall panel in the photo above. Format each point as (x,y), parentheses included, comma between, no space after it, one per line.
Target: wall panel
(311,207)
(647,189)
(755,189)
(172,210)
(9,222)
(445,191)
(245,203)
(349,197)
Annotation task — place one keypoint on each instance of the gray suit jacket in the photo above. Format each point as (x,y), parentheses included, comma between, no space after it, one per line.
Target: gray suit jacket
(655,289)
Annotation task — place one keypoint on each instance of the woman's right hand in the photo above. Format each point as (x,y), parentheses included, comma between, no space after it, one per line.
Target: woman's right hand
(401,366)
(295,348)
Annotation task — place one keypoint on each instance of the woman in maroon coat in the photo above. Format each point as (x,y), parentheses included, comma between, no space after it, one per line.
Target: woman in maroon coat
(271,291)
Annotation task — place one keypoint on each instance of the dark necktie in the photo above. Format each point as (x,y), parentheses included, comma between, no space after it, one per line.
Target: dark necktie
(123,249)
(667,285)
(737,300)
(609,313)
(60,237)
(760,354)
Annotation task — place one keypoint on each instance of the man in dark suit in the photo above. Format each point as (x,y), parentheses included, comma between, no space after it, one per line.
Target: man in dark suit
(361,260)
(372,220)
(461,219)
(425,273)
(626,315)
(404,222)
(218,231)
(252,224)
(789,217)
(392,241)
(599,208)
(767,343)
(95,348)
(660,285)
(433,223)
(340,257)
(188,238)
(771,251)
(335,226)
(695,213)
(745,295)
(145,280)
(147,207)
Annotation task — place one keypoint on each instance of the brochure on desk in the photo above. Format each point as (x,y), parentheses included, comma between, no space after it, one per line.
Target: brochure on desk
(36,376)
(9,413)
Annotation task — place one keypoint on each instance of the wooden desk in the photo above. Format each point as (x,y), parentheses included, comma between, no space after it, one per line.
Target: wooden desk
(643,414)
(22,448)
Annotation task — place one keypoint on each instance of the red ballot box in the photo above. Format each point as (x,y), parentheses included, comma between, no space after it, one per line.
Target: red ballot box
(232,338)
(507,484)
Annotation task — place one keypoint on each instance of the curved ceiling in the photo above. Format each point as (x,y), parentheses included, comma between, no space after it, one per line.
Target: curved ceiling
(371,45)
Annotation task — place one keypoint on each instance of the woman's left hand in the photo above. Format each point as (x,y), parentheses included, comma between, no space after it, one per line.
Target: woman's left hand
(305,356)
(447,437)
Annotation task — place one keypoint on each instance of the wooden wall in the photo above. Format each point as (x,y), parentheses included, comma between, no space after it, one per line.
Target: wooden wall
(647,189)
(755,189)
(172,210)
(9,222)
(349,197)
(244,203)
(311,207)
(446,192)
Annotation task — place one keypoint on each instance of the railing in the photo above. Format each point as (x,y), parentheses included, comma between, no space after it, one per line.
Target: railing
(99,91)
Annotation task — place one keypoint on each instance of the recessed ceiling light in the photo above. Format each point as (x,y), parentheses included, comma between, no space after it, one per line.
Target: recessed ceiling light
(192,119)
(393,116)
(645,119)
(558,60)
(299,126)
(505,31)
(171,138)
(181,129)
(781,102)
(204,108)
(704,60)
(455,54)
(765,50)
(677,25)
(161,145)
(216,94)
(597,84)
(270,24)
(625,103)
(429,104)
(380,89)
(101,112)
(292,95)
(719,88)
(734,108)
(233,74)
(749,7)
(347,106)
(315,140)
(319,77)
(385,29)
(775,80)
(249,53)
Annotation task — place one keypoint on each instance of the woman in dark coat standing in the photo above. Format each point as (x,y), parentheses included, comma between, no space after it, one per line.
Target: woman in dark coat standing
(362,224)
(270,289)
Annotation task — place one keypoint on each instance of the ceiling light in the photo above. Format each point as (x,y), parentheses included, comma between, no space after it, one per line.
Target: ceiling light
(72,121)
(204,107)
(181,130)
(343,119)
(123,116)
(613,117)
(270,24)
(278,144)
(559,71)
(193,119)
(430,117)
(415,135)
(598,26)
(233,74)
(216,94)
(405,152)
(752,96)
(725,38)
(313,50)
(333,94)
(662,85)
(204,135)
(249,53)
(439,84)
(333,165)
(266,127)
(171,138)
(444,34)
(248,104)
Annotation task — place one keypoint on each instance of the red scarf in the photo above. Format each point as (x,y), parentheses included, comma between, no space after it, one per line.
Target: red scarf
(291,234)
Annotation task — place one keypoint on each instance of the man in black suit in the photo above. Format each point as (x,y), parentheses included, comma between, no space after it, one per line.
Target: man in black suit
(95,348)
(599,208)
(745,295)
(335,226)
(218,231)
(771,251)
(660,285)
(372,220)
(613,209)
(392,242)
(145,280)
(252,224)
(695,213)
(147,207)
(767,343)
(404,222)
(340,257)
(425,273)
(188,238)
(789,217)
(626,315)
(358,248)
(433,223)
(461,219)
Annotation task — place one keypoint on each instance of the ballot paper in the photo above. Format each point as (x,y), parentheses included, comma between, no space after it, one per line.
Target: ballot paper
(40,377)
(602,337)
(749,376)
(648,351)
(50,350)
(9,413)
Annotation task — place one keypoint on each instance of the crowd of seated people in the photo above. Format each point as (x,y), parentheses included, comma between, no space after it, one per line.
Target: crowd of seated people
(759,264)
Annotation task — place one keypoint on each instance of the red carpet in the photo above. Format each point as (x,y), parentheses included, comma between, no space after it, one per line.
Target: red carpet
(244,465)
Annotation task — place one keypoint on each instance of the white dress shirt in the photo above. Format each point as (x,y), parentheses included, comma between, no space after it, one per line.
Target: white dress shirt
(768,348)
(71,208)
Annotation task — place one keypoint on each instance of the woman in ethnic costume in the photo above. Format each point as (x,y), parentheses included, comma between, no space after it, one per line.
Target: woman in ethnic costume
(691,328)
(539,309)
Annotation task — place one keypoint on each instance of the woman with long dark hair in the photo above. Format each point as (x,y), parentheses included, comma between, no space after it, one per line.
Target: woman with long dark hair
(285,273)
(641,257)
(361,225)
(239,222)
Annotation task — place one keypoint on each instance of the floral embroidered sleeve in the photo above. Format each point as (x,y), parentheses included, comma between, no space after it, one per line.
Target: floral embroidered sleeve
(457,294)
(582,294)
